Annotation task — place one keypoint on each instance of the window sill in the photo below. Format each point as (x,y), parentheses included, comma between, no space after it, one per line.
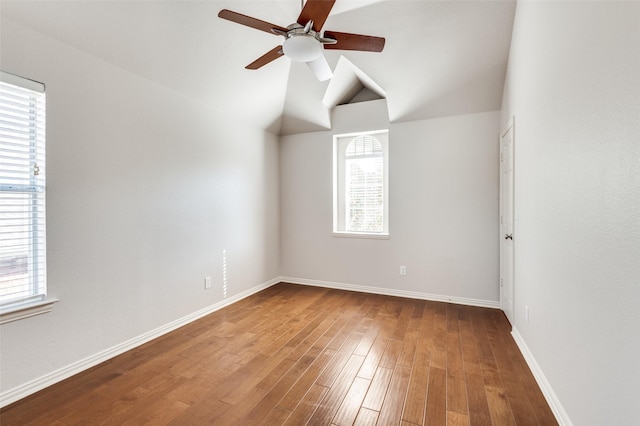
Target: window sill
(361,235)
(26,310)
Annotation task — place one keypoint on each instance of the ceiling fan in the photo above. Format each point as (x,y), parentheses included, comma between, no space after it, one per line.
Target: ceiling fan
(302,39)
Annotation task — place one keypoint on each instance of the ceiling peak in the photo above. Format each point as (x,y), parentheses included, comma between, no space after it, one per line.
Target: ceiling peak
(350,85)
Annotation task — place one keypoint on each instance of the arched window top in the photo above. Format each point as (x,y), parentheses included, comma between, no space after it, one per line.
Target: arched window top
(364,146)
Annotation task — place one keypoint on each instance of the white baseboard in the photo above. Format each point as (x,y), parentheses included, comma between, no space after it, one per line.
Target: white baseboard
(554,403)
(394,292)
(17,393)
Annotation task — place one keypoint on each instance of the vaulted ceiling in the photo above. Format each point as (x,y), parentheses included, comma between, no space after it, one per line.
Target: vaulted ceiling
(441,57)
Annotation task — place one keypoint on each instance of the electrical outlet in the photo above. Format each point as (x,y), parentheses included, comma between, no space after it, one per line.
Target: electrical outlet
(403,270)
(207,283)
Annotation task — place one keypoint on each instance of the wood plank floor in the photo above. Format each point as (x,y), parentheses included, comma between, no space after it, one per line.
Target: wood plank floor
(296,355)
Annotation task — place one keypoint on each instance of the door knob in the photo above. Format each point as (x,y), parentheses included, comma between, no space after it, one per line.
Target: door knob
(508,236)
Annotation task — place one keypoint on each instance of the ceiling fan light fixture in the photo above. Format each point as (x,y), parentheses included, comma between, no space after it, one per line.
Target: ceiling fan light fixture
(302,48)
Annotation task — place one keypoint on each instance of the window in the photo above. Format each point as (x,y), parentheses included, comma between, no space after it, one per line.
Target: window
(22,198)
(361,185)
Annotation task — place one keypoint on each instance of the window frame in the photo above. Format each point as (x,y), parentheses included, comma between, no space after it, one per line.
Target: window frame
(340,144)
(36,302)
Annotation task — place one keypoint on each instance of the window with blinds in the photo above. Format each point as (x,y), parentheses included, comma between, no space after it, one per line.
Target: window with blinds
(360,184)
(22,191)
(364,185)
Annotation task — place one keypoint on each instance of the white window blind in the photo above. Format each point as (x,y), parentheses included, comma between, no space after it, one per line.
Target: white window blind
(364,185)
(22,190)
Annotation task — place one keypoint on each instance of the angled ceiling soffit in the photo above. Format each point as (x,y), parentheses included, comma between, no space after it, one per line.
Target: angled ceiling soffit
(314,111)
(350,84)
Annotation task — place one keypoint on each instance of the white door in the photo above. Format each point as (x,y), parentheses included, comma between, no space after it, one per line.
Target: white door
(506,223)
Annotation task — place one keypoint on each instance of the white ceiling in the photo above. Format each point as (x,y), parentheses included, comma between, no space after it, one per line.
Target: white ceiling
(441,57)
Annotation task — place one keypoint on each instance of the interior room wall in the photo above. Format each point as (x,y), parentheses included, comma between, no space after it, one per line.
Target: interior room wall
(573,87)
(146,190)
(443,214)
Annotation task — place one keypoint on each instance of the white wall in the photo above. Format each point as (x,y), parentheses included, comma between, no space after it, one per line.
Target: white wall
(146,188)
(574,89)
(443,220)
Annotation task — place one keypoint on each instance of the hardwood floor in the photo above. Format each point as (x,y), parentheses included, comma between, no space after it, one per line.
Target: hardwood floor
(296,355)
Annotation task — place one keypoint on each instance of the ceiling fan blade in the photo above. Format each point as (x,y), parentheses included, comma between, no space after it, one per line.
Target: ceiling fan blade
(320,68)
(263,60)
(348,41)
(316,11)
(249,21)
